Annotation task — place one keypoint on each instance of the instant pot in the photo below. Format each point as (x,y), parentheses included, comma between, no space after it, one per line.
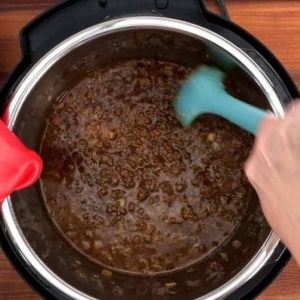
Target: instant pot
(67,40)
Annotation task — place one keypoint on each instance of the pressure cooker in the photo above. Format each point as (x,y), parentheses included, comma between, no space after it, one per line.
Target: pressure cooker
(78,37)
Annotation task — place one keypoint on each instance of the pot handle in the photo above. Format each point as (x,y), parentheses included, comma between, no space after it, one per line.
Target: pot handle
(20,167)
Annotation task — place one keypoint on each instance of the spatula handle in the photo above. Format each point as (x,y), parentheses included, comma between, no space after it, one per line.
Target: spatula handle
(240,113)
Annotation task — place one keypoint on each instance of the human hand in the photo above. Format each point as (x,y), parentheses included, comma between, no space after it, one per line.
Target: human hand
(273,169)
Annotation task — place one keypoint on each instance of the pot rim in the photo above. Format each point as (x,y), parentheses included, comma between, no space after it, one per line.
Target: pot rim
(43,65)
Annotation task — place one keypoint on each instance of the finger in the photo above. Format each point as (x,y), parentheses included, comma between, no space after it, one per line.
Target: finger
(288,133)
(260,160)
(266,144)
(250,169)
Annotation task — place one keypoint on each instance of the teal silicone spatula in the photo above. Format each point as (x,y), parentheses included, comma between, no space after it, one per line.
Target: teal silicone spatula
(204,93)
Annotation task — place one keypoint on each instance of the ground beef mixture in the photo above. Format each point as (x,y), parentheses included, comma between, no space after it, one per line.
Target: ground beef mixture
(129,186)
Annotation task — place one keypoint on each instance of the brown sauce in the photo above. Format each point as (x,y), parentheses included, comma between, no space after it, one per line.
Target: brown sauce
(127,184)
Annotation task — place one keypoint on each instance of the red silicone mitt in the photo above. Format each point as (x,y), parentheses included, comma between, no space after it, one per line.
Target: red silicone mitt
(20,167)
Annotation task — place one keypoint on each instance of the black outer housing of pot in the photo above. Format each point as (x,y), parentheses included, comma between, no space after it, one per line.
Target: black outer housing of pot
(72,16)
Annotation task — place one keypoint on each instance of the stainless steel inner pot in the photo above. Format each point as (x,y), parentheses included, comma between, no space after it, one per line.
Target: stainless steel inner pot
(28,225)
